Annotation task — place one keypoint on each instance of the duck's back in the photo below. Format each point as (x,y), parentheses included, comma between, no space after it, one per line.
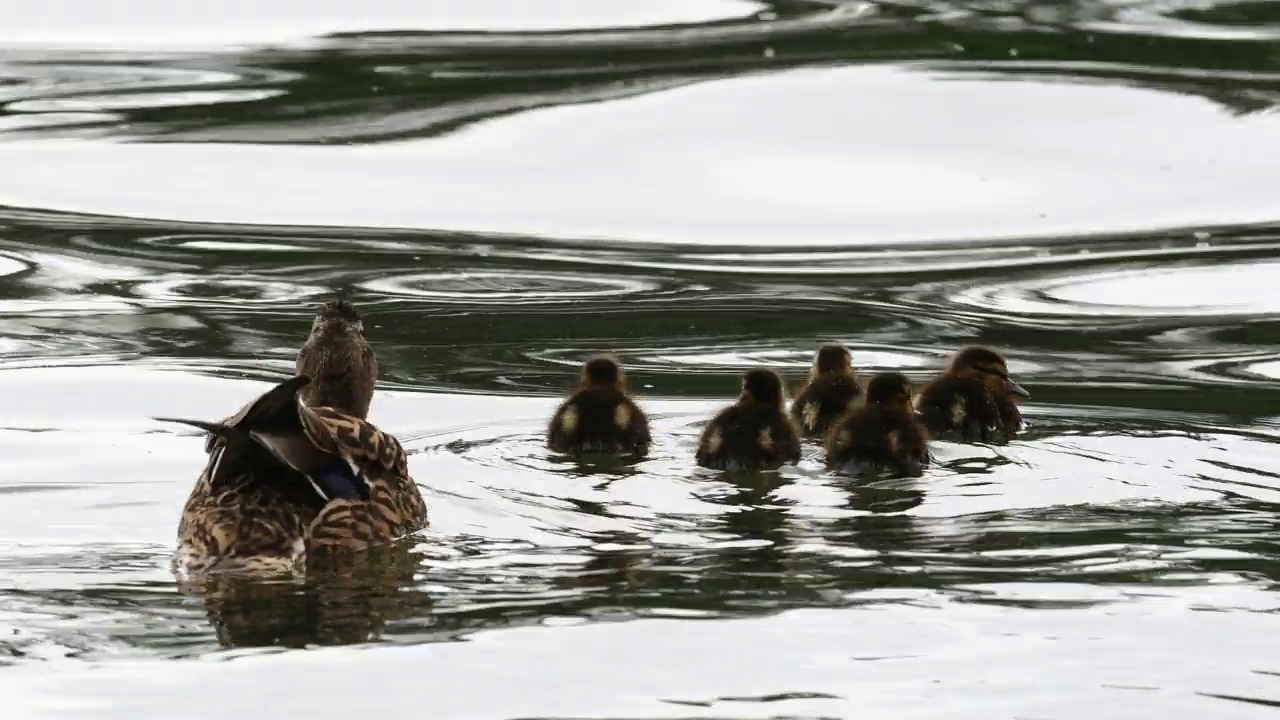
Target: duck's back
(388,506)
(748,437)
(822,402)
(251,512)
(878,436)
(599,420)
(956,402)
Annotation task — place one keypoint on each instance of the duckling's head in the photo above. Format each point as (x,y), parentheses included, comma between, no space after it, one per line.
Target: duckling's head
(890,390)
(988,366)
(603,371)
(762,386)
(337,317)
(833,359)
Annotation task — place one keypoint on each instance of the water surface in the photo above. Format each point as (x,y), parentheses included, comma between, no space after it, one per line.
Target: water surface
(506,188)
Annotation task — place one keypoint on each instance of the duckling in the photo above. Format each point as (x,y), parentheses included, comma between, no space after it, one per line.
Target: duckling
(883,433)
(599,416)
(830,392)
(339,361)
(285,479)
(975,395)
(753,433)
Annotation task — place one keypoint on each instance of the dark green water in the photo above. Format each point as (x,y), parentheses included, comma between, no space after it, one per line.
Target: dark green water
(505,188)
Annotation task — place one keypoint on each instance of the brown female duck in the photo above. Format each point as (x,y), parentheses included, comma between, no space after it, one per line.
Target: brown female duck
(975,396)
(754,433)
(830,392)
(600,417)
(284,480)
(882,434)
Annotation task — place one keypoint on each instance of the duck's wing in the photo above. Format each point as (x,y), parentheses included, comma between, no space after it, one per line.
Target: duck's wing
(230,443)
(392,505)
(273,423)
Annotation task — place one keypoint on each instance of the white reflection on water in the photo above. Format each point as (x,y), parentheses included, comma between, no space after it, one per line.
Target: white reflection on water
(904,654)
(147,24)
(793,157)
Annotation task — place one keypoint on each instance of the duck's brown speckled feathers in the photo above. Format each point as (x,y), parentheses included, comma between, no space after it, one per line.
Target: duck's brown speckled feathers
(285,479)
(882,434)
(831,391)
(975,396)
(600,417)
(339,361)
(754,433)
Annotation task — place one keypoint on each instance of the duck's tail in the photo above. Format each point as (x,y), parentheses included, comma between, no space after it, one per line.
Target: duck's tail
(273,421)
(274,410)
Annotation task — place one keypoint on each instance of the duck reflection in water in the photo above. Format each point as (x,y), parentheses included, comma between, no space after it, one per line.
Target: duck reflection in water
(600,417)
(343,599)
(757,518)
(755,432)
(975,396)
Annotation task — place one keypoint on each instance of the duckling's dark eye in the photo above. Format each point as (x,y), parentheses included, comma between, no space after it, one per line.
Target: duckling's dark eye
(1002,374)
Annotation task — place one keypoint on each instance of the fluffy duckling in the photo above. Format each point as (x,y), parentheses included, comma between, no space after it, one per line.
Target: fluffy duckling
(339,361)
(600,417)
(284,479)
(883,433)
(830,392)
(975,395)
(754,433)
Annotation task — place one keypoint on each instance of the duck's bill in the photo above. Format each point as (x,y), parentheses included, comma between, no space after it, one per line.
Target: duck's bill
(1016,389)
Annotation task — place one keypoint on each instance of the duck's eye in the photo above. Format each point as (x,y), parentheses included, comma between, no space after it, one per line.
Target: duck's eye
(1002,374)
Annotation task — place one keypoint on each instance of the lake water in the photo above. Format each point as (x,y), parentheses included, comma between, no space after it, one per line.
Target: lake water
(701,186)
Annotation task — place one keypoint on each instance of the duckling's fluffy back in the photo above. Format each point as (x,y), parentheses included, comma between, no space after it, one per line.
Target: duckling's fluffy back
(599,419)
(881,436)
(823,401)
(748,436)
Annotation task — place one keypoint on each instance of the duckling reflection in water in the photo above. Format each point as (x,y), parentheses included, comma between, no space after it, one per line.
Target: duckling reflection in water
(284,479)
(830,392)
(975,396)
(883,433)
(339,361)
(755,432)
(600,417)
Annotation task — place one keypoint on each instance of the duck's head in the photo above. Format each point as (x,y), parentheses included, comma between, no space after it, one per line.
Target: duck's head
(890,390)
(833,359)
(603,371)
(988,366)
(762,386)
(339,358)
(337,317)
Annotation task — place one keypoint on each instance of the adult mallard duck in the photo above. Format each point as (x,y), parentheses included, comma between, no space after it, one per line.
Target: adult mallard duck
(883,433)
(975,396)
(600,417)
(284,479)
(830,392)
(754,433)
